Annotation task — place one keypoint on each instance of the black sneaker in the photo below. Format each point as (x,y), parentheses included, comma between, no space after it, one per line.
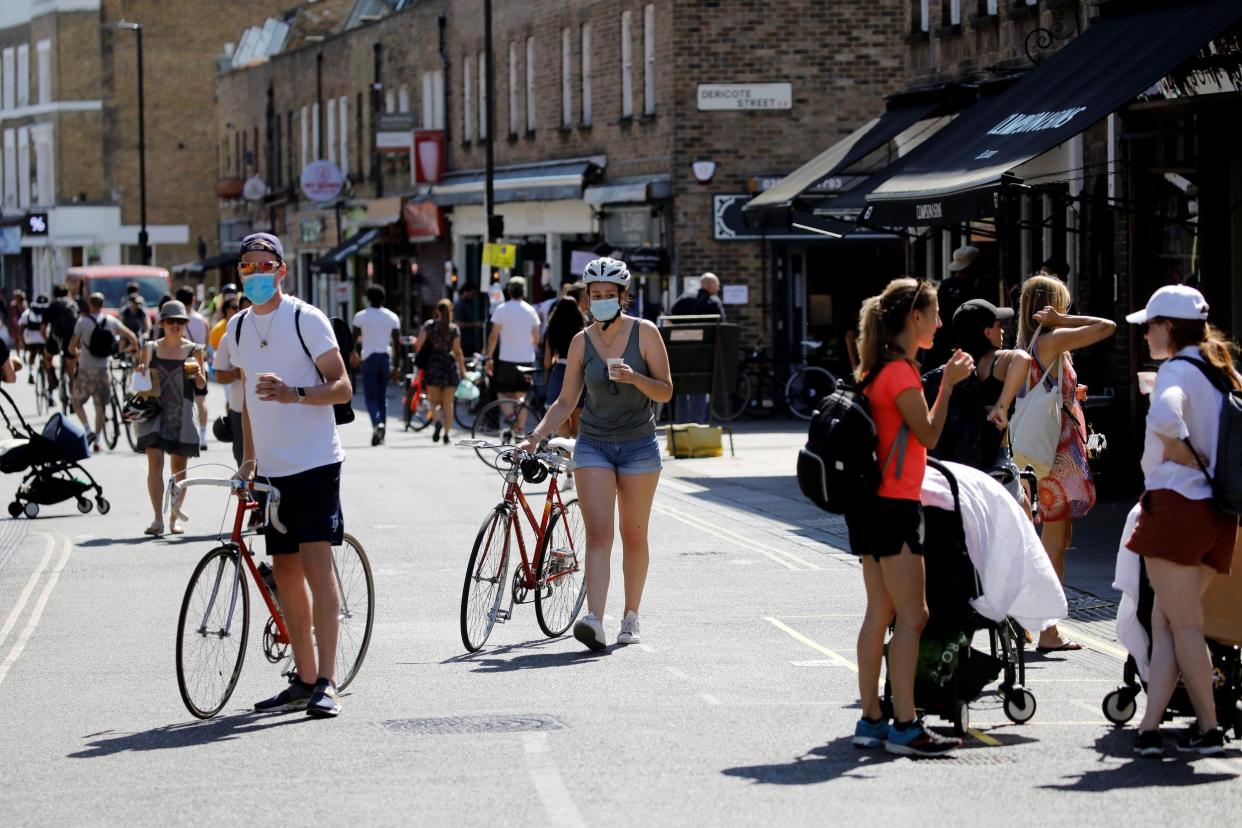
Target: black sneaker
(435,437)
(293,697)
(376,439)
(1149,743)
(916,740)
(1211,743)
(323,703)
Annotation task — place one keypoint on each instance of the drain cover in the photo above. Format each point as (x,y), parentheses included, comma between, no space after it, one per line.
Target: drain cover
(461,725)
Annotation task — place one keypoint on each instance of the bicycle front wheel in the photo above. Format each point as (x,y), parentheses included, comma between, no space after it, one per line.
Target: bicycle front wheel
(112,421)
(806,389)
(727,406)
(357,588)
(486,572)
(765,396)
(212,631)
(562,567)
(40,384)
(505,422)
(416,413)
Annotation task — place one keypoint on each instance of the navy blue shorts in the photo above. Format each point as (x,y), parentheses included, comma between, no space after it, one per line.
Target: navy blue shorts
(310,509)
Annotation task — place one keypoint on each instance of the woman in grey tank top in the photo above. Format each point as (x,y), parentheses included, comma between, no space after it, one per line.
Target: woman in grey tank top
(621,362)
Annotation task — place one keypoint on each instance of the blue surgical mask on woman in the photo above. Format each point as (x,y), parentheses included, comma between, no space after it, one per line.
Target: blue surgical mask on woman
(605,310)
(260,287)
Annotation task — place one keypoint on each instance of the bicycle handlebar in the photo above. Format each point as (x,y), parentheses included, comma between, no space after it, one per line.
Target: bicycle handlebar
(508,453)
(239,487)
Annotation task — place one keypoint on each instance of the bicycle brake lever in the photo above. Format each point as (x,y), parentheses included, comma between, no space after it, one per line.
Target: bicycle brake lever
(273,513)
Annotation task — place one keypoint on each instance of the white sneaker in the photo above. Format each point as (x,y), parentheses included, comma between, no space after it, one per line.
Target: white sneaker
(629,629)
(569,482)
(590,631)
(202,438)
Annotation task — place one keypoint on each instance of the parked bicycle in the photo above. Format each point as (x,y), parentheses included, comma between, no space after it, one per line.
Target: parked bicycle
(554,580)
(215,614)
(119,375)
(415,407)
(762,390)
(506,421)
(809,383)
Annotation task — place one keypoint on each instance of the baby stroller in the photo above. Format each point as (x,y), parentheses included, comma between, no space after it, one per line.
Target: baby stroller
(50,461)
(1223,630)
(950,672)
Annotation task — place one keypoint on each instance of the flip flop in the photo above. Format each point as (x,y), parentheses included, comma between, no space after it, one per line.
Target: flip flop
(1068,646)
(176,530)
(154,530)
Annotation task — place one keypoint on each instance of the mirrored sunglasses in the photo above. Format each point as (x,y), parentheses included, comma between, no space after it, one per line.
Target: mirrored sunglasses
(251,268)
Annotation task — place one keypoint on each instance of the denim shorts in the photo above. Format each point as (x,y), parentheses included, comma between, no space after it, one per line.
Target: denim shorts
(638,456)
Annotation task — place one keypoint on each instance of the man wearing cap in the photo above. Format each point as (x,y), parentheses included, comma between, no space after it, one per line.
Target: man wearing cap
(293,373)
(91,377)
(961,286)
(134,316)
(511,344)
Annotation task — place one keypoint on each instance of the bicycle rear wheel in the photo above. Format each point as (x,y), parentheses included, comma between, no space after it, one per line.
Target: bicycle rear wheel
(766,396)
(211,642)
(505,422)
(561,565)
(40,383)
(416,413)
(486,572)
(357,588)
(806,389)
(727,406)
(112,421)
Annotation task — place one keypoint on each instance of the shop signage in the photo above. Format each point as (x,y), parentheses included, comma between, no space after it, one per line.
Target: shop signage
(254,189)
(423,220)
(35,225)
(736,294)
(729,225)
(395,122)
(322,181)
(500,255)
(388,143)
(748,96)
(428,156)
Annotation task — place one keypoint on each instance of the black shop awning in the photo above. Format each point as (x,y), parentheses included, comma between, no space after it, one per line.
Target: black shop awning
(774,207)
(335,258)
(958,174)
(544,181)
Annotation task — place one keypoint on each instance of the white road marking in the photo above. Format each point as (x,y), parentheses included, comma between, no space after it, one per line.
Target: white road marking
(685,488)
(37,613)
(814,645)
(1076,633)
(709,698)
(1090,708)
(548,782)
(817,662)
(646,648)
(785,559)
(673,671)
(743,562)
(25,595)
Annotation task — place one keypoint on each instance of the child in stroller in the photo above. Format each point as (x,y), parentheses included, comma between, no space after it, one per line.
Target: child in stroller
(50,460)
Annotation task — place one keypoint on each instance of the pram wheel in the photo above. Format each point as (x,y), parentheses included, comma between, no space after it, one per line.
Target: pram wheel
(15,509)
(1019,706)
(32,510)
(1119,706)
(961,717)
(84,505)
(103,505)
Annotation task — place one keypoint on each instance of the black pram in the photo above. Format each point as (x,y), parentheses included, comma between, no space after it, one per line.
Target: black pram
(950,673)
(50,460)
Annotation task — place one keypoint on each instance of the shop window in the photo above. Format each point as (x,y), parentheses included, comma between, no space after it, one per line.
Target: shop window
(586,74)
(627,66)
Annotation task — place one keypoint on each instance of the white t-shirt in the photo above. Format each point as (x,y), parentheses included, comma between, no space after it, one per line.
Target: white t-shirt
(196,329)
(377,325)
(234,391)
(518,321)
(289,438)
(33,336)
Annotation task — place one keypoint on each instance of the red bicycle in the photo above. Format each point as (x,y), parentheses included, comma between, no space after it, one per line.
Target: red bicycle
(554,580)
(415,408)
(215,613)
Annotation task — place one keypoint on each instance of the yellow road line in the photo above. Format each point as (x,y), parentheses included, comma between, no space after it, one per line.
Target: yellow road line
(983,737)
(814,645)
(786,559)
(1088,640)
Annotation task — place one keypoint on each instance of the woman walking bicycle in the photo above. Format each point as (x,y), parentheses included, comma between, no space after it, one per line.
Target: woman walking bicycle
(445,367)
(175,365)
(622,362)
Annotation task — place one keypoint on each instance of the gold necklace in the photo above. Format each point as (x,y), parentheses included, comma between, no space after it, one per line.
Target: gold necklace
(263,336)
(607,344)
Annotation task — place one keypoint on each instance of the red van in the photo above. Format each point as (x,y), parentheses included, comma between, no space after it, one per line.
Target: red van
(111,280)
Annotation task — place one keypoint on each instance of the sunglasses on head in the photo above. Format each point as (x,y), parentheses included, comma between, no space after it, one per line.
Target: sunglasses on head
(251,268)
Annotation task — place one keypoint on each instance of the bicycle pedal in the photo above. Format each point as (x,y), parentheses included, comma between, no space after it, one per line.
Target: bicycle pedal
(503,615)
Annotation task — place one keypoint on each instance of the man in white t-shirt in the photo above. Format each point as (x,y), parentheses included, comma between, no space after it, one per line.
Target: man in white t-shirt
(376,330)
(293,374)
(196,329)
(511,346)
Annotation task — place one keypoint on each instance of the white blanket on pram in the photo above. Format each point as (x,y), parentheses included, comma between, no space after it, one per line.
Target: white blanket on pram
(1017,578)
(1126,579)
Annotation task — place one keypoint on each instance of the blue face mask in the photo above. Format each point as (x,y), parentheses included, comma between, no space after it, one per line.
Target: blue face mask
(260,287)
(605,310)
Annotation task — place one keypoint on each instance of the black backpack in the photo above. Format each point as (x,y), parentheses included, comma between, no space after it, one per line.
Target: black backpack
(342,412)
(62,316)
(838,469)
(102,342)
(1227,485)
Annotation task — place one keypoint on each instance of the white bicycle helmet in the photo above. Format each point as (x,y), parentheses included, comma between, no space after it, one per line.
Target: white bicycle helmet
(607,270)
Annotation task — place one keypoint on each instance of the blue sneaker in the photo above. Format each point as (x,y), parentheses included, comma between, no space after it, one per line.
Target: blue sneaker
(870,734)
(916,740)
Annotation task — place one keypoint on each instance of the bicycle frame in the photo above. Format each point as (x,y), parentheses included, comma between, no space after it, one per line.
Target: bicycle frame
(514,497)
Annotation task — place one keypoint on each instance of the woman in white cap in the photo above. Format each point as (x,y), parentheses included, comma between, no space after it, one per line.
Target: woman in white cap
(1183,538)
(622,362)
(175,364)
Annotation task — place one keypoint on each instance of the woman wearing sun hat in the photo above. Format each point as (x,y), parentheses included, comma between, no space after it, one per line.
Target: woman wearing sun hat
(1181,535)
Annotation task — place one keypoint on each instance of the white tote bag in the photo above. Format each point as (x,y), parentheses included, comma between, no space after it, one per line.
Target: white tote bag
(1035,428)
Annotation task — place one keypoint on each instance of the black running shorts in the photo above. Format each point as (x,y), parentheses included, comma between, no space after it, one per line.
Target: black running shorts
(310,509)
(884,526)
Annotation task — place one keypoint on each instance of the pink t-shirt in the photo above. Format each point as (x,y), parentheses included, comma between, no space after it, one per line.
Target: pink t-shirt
(894,378)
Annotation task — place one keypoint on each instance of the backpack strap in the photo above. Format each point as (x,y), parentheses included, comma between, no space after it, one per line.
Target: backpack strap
(241,318)
(297,326)
(898,450)
(1213,375)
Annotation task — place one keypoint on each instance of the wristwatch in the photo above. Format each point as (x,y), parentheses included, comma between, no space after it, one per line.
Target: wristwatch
(301,392)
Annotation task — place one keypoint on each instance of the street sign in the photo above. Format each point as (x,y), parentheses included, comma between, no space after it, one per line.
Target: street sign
(749,96)
(322,181)
(254,189)
(36,225)
(500,255)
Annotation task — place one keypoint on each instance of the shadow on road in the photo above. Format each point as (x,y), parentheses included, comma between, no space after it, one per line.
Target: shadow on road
(522,658)
(1137,772)
(820,764)
(185,734)
(164,540)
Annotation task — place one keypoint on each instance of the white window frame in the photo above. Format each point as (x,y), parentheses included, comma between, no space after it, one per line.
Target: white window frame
(649,67)
(925,15)
(390,101)
(44,51)
(467,103)
(403,99)
(531,105)
(10,78)
(343,113)
(955,12)
(992,7)
(23,167)
(304,118)
(44,164)
(483,102)
(437,96)
(567,85)
(331,136)
(515,106)
(23,74)
(316,147)
(586,74)
(428,103)
(627,65)
(10,169)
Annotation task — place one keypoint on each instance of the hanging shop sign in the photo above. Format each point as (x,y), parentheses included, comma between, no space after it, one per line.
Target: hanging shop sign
(254,189)
(428,155)
(322,181)
(745,96)
(424,220)
(500,255)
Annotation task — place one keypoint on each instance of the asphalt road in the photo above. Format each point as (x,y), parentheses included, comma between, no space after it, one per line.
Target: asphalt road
(736,709)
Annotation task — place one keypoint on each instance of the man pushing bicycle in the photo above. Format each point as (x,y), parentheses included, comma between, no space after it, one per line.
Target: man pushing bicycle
(294,373)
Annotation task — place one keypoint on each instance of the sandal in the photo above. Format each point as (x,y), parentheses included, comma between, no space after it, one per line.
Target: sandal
(1064,647)
(154,530)
(176,530)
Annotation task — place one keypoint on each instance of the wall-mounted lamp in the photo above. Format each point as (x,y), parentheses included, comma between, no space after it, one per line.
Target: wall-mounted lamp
(704,170)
